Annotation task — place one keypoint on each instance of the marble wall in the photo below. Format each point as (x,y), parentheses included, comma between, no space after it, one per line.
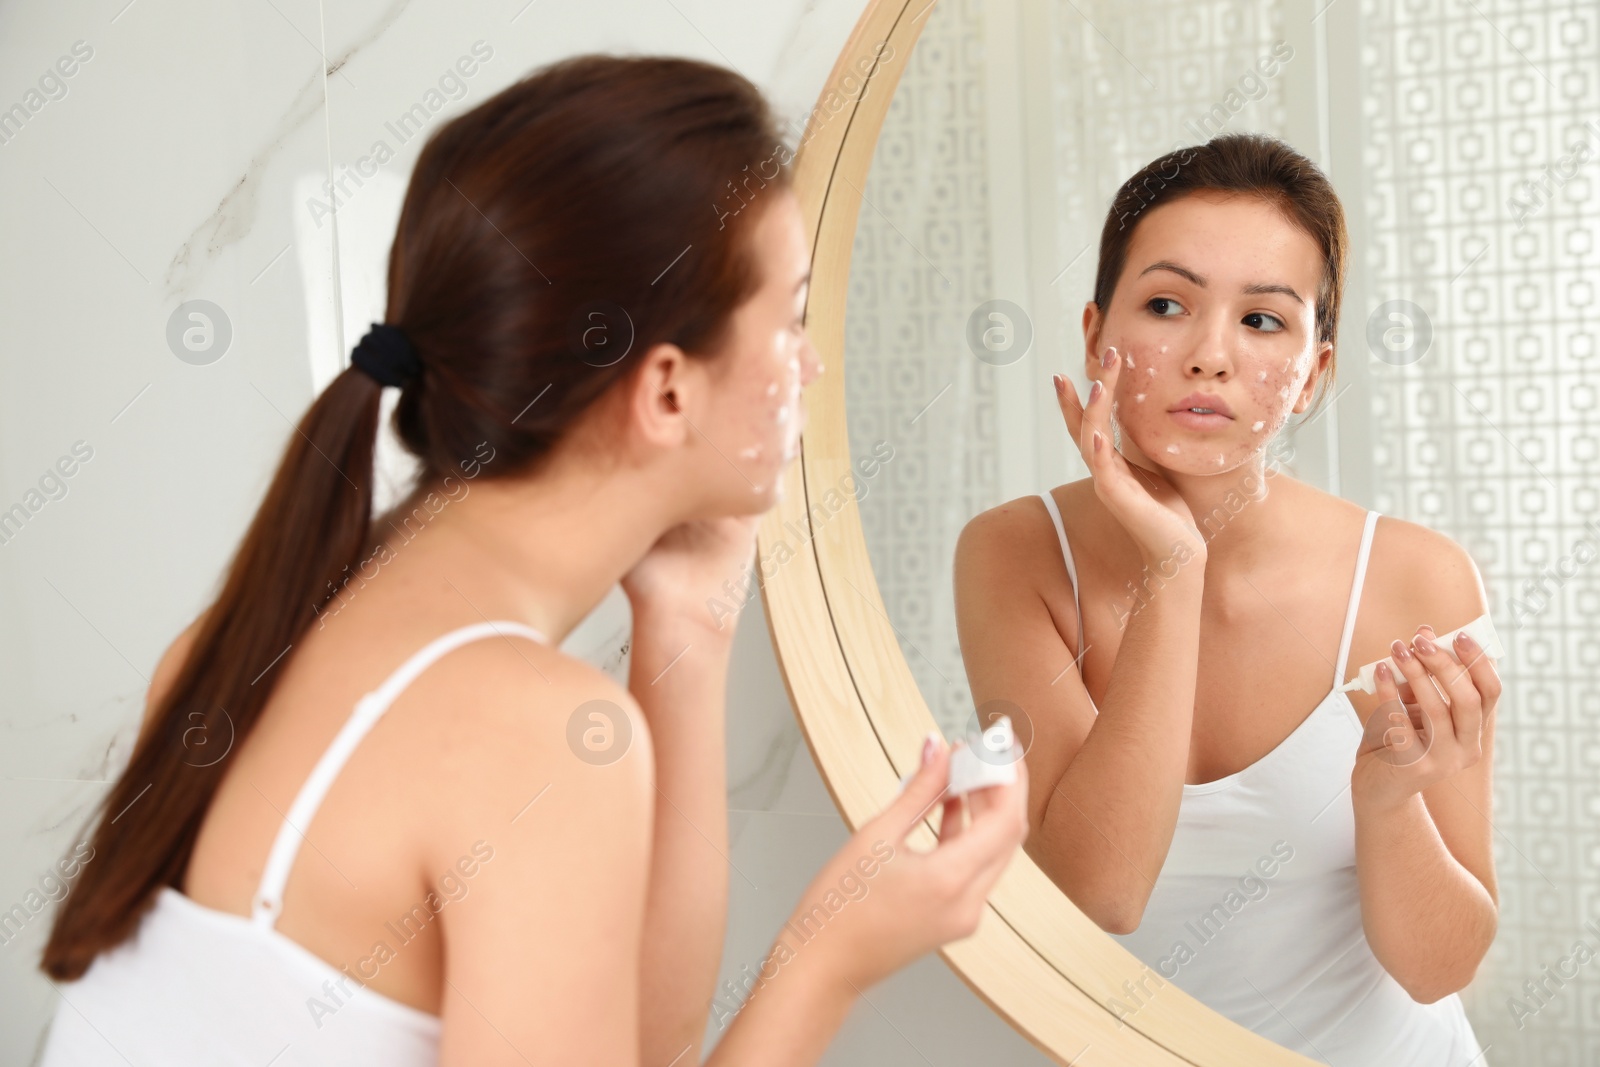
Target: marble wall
(161,160)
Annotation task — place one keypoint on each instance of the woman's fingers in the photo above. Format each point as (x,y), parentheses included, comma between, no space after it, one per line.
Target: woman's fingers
(998,825)
(1071,406)
(1390,727)
(1085,418)
(1097,413)
(926,788)
(951,818)
(1427,694)
(1466,704)
(1481,668)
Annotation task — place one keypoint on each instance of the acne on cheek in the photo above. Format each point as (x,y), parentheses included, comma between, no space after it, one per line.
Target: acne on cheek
(780,416)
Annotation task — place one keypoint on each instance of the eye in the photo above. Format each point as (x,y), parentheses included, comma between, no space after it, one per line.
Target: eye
(1165,306)
(1260,320)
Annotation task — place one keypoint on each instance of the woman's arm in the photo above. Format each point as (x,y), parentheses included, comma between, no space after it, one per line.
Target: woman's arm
(542,955)
(876,905)
(1424,829)
(678,672)
(1105,802)
(1102,823)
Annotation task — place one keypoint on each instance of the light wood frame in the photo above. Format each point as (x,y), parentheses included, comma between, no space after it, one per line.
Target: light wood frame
(1036,959)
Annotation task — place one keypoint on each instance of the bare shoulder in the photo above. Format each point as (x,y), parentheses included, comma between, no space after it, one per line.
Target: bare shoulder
(509,724)
(167,670)
(512,705)
(1426,574)
(1017,535)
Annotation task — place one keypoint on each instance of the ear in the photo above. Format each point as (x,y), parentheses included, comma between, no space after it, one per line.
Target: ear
(1324,361)
(1093,321)
(663,387)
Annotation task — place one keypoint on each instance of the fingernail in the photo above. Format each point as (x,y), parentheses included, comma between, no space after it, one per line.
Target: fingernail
(1424,645)
(929,747)
(1094,392)
(1464,641)
(1399,651)
(1056,380)
(1096,440)
(1383,672)
(1108,357)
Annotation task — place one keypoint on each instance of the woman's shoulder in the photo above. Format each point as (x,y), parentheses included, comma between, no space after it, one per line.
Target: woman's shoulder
(1024,512)
(1426,571)
(1017,540)
(505,694)
(500,722)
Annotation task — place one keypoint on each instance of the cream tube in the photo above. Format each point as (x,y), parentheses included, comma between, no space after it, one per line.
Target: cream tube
(996,764)
(1480,630)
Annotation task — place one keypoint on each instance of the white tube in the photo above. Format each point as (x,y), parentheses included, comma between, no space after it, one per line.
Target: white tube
(1480,630)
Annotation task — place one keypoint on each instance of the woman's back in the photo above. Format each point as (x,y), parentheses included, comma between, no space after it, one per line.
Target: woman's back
(374,808)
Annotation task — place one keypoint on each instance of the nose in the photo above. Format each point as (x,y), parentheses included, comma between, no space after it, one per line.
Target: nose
(1210,357)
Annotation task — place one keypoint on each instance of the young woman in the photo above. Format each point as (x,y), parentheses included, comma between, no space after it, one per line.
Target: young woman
(429,836)
(1315,865)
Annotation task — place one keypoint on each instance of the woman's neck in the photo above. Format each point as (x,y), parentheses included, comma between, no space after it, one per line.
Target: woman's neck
(542,549)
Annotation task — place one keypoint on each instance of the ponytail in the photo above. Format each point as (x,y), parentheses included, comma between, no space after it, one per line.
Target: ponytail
(309,529)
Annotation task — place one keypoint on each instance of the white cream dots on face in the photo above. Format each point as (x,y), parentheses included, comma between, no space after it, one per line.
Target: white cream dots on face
(1173,449)
(1256,427)
(1139,397)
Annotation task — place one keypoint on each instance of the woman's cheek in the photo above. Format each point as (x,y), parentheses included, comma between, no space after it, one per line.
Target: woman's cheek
(776,407)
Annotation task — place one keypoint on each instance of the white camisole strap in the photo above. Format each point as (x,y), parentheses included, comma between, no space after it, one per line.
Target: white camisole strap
(1066,554)
(1350,612)
(1355,597)
(268,902)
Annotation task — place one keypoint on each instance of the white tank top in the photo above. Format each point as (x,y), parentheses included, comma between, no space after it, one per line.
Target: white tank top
(195,985)
(1257,911)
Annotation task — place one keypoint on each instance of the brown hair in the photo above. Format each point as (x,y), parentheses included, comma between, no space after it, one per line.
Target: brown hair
(1243,163)
(597,182)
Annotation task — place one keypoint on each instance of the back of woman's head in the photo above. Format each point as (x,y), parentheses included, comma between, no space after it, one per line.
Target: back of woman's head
(548,238)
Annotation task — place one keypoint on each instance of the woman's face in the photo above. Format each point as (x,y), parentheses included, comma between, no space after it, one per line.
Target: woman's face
(1215,309)
(756,412)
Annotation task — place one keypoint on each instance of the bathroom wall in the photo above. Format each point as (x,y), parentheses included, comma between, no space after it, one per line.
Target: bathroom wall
(183,159)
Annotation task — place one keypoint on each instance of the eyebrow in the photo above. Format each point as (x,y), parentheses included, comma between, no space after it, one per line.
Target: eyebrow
(1185,272)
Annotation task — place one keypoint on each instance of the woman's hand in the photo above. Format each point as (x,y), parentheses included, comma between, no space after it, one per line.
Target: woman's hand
(913,902)
(688,567)
(1411,746)
(1142,500)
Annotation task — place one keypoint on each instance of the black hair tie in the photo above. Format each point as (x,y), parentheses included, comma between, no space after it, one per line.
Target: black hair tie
(386,353)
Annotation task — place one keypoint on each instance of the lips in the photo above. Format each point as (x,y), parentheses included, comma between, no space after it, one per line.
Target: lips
(1215,404)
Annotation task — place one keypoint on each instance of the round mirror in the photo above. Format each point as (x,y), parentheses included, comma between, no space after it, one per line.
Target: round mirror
(958,171)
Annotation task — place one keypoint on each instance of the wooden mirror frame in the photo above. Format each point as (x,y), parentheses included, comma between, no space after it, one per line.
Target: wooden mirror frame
(1036,959)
